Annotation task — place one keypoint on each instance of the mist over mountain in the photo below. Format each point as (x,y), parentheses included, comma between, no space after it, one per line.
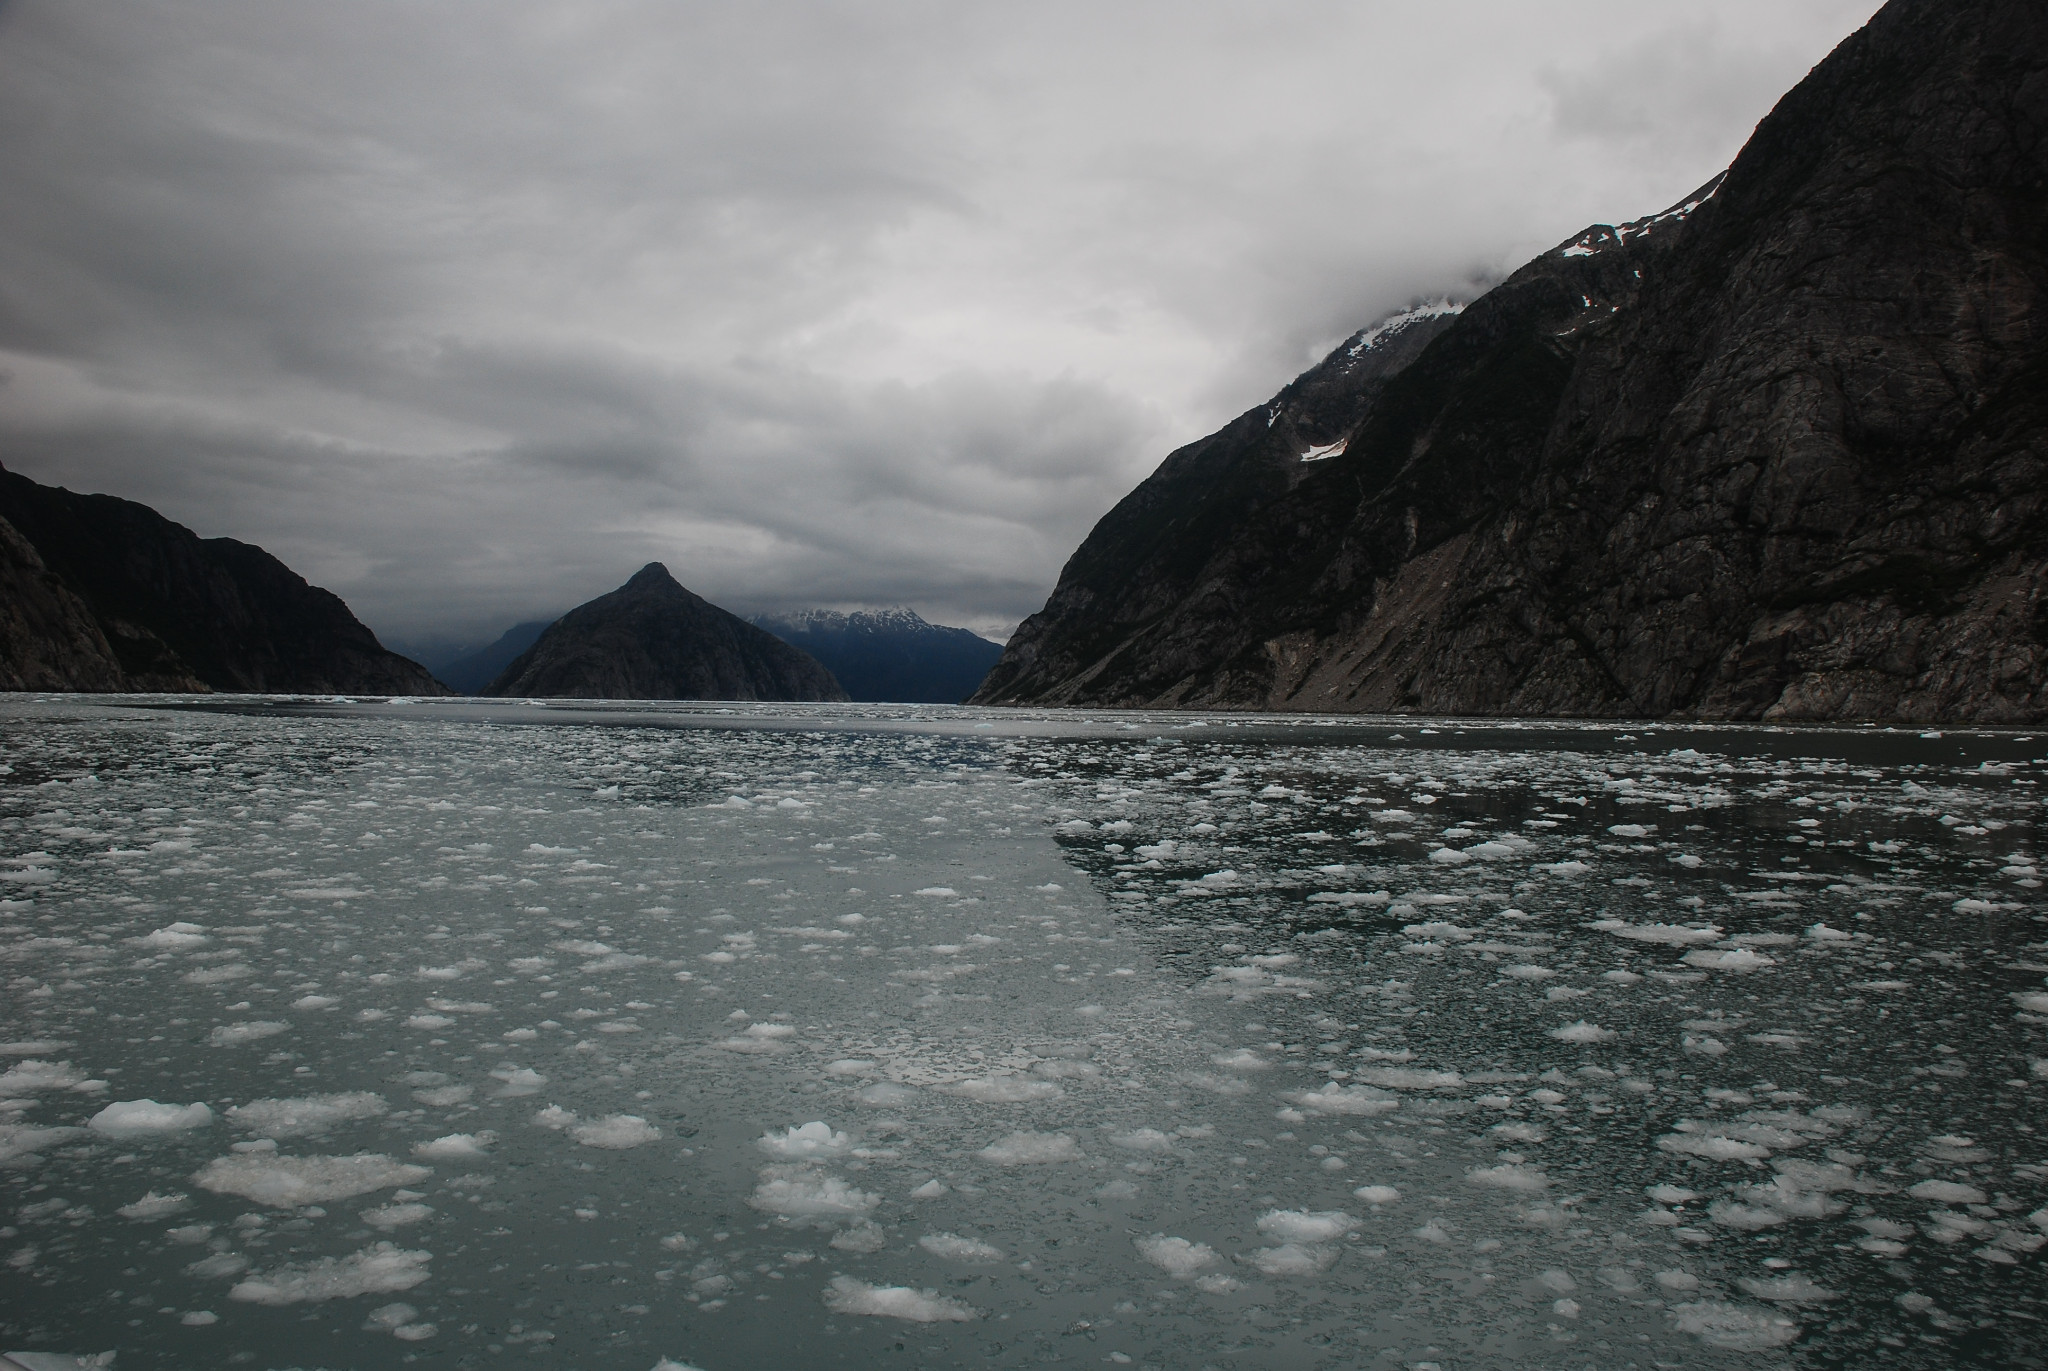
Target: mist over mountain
(889,654)
(1780,452)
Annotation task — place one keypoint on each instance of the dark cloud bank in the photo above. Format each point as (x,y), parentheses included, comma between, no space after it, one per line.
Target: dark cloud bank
(468,310)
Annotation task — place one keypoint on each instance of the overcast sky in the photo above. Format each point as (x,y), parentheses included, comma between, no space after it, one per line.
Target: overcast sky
(467,309)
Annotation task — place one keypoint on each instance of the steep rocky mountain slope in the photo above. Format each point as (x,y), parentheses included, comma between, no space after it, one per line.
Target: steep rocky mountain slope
(653,640)
(889,654)
(171,610)
(470,672)
(1776,453)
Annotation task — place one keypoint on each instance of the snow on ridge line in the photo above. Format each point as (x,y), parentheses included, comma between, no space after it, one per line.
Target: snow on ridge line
(1366,338)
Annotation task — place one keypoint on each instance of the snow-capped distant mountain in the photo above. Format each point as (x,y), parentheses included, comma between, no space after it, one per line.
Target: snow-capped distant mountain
(889,654)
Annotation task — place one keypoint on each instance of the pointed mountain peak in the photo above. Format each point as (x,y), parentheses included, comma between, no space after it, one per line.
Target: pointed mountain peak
(653,576)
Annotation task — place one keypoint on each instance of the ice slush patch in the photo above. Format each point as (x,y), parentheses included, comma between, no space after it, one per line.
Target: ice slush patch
(953,1247)
(615,1132)
(1295,1259)
(1005,1090)
(1731,1326)
(1306,1226)
(799,1194)
(235,1034)
(1333,1098)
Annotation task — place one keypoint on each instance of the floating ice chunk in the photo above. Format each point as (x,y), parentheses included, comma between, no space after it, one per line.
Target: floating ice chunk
(1671,935)
(1005,1090)
(1564,868)
(431,1021)
(1306,1226)
(886,1094)
(805,1142)
(1031,1149)
(1143,1140)
(1403,1078)
(1243,1059)
(1720,1324)
(518,1080)
(28,1077)
(865,1236)
(173,937)
(1349,898)
(294,1118)
(455,1146)
(938,892)
(1296,1259)
(1439,931)
(1213,1083)
(155,1206)
(287,1182)
(1177,1256)
(615,1132)
(1821,933)
(671,1364)
(135,1119)
(1713,1147)
(375,1270)
(1689,861)
(235,1034)
(1579,1031)
(930,1190)
(1790,1288)
(849,1296)
(1733,959)
(1746,1217)
(953,1247)
(801,1193)
(384,1218)
(1946,1192)
(2034,1002)
(1619,976)
(1333,1098)
(1529,1180)
(24,1140)
(1671,1194)
(1449,856)
(1525,971)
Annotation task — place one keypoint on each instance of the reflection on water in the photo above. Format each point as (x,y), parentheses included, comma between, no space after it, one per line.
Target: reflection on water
(354,1033)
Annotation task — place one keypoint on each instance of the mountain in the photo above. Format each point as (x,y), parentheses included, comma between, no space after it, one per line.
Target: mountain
(1781,452)
(470,671)
(653,640)
(107,594)
(889,654)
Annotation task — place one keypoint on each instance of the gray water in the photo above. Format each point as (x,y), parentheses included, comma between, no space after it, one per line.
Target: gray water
(358,1034)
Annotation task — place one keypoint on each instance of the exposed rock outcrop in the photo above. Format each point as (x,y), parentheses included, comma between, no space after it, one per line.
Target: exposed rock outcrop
(1779,453)
(48,637)
(179,612)
(653,640)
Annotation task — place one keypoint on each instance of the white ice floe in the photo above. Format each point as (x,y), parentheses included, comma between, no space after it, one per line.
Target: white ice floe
(1790,1288)
(614,1132)
(1720,1324)
(1005,1090)
(175,937)
(1529,1180)
(1143,1140)
(379,1269)
(846,1295)
(1731,959)
(953,1247)
(132,1120)
(1946,1192)
(1669,935)
(35,1075)
(1029,1149)
(1296,1259)
(235,1034)
(1333,1098)
(518,1080)
(1177,1256)
(1579,1031)
(1403,1078)
(455,1146)
(886,1094)
(800,1193)
(155,1206)
(1378,1194)
(292,1118)
(1306,1226)
(386,1217)
(25,1140)
(1713,1147)
(286,1182)
(806,1142)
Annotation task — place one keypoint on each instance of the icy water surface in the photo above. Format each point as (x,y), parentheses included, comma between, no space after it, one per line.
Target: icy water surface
(363,1034)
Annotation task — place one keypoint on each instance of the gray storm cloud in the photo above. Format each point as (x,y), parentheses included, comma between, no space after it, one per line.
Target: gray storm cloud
(467,310)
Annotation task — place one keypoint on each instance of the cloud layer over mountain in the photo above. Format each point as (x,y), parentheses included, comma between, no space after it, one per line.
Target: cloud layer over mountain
(468,310)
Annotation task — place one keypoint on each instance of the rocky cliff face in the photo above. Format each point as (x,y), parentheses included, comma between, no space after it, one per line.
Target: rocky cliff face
(653,640)
(48,637)
(890,654)
(175,611)
(1778,453)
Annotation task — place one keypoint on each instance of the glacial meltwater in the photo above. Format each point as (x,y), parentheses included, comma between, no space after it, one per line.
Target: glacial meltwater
(365,1033)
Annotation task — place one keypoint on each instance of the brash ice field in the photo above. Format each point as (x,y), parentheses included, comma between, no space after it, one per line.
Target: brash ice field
(487,1034)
